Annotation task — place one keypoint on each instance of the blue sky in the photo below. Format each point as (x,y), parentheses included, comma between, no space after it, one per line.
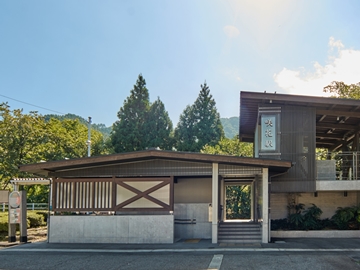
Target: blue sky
(83,57)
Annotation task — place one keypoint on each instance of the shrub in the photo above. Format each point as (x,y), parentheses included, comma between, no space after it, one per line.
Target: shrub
(34,219)
(312,218)
(346,218)
(44,214)
(278,224)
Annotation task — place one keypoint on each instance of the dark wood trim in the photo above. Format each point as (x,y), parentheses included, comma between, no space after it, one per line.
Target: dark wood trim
(172,193)
(74,196)
(66,180)
(114,192)
(143,194)
(93,194)
(338,113)
(82,210)
(54,192)
(143,210)
(337,126)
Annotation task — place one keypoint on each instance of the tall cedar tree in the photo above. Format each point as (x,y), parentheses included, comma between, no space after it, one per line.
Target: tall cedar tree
(199,124)
(129,132)
(141,125)
(159,127)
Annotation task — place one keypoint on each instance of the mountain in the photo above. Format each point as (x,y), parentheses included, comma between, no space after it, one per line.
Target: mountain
(231,126)
(99,127)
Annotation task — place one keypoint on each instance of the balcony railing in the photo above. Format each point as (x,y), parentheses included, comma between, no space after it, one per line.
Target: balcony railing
(338,166)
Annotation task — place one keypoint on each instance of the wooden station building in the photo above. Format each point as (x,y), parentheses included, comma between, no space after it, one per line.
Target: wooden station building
(156,196)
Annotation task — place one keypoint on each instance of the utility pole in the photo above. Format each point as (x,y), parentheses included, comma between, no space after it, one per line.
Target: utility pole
(89,137)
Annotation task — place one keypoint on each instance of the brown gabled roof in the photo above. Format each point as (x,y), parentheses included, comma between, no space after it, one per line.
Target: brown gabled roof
(52,166)
(337,119)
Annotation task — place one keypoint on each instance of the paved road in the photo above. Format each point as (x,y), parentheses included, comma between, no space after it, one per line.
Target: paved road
(175,260)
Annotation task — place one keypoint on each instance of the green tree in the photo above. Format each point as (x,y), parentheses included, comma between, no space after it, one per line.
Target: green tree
(21,141)
(129,132)
(342,90)
(159,127)
(238,202)
(28,138)
(141,125)
(231,147)
(99,127)
(199,124)
(67,139)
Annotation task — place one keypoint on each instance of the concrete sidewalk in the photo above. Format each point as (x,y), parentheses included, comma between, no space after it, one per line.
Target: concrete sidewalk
(198,245)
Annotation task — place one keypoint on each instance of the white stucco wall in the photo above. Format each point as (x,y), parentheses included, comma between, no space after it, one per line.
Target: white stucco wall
(112,229)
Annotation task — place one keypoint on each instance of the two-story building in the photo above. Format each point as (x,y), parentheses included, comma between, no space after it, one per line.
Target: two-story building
(156,196)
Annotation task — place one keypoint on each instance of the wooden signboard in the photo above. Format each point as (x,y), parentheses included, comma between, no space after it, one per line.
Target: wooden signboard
(4,196)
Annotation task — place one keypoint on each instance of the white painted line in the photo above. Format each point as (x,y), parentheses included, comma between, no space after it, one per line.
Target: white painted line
(216,262)
(179,250)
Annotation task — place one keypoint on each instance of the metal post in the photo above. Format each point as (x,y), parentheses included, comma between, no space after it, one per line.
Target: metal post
(89,137)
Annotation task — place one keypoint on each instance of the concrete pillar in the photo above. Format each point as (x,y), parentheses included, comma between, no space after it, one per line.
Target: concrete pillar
(215,203)
(265,205)
(252,217)
(222,198)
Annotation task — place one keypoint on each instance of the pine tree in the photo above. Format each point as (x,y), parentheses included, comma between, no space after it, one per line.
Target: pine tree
(159,127)
(129,132)
(199,124)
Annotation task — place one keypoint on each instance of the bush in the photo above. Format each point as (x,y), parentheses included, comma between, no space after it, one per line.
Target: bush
(44,214)
(34,219)
(279,224)
(347,218)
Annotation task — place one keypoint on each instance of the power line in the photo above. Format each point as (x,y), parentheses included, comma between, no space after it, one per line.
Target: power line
(31,104)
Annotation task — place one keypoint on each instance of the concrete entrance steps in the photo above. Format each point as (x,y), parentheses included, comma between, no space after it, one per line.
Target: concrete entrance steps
(239,232)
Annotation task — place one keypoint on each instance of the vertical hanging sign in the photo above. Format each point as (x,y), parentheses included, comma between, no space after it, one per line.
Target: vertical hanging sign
(268,132)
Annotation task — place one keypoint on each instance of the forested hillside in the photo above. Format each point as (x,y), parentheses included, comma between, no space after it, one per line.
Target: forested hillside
(231,126)
(100,127)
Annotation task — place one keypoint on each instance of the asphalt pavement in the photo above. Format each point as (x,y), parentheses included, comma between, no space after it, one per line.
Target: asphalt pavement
(300,253)
(201,245)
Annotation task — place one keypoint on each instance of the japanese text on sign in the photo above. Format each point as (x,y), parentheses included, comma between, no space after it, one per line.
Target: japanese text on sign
(268,132)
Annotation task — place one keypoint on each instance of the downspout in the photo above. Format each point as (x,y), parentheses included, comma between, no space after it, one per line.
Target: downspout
(269,192)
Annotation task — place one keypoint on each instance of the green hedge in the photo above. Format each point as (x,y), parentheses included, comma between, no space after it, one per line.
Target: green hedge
(34,219)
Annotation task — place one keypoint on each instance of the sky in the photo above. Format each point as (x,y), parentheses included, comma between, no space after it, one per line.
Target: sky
(84,57)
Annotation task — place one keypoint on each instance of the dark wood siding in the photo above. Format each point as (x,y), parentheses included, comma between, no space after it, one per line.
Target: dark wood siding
(298,129)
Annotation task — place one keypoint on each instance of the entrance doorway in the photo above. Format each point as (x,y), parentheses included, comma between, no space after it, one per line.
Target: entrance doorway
(239,203)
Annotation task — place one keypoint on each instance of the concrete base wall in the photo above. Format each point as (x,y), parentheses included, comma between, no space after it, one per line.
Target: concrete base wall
(315,234)
(112,229)
(192,220)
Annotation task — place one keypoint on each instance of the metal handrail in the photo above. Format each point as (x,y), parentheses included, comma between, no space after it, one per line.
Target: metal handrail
(338,165)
